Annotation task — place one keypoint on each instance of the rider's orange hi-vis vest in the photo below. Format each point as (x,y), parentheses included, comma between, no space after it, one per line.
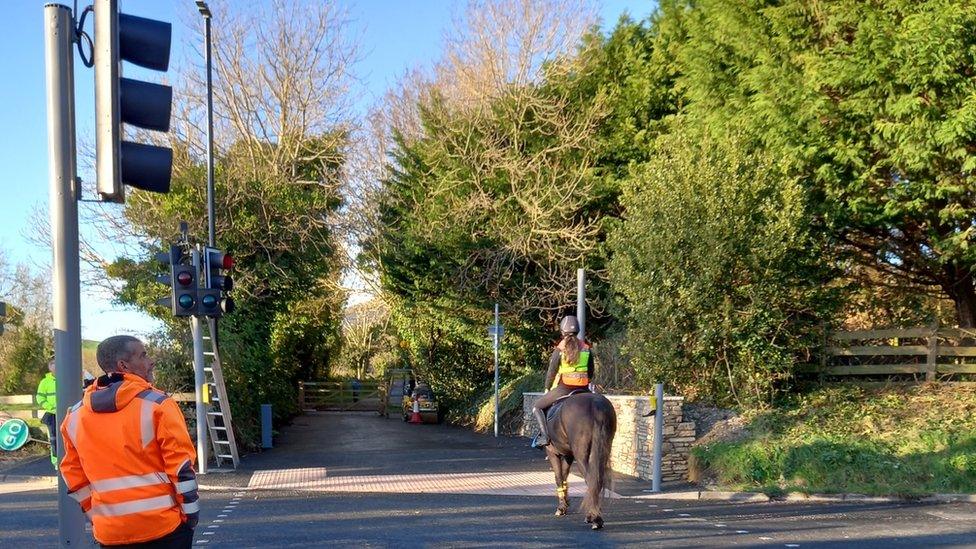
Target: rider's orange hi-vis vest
(573,375)
(128,461)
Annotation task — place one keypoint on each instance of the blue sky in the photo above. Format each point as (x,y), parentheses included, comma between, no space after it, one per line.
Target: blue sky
(396,35)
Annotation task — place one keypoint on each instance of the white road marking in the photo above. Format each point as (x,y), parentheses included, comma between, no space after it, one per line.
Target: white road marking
(683,515)
(720,526)
(742,531)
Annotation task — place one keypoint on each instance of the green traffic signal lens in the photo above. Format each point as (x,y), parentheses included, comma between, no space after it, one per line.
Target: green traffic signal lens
(209,301)
(186,301)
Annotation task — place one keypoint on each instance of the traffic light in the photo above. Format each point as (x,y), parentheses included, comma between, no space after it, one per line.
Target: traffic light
(182,280)
(144,42)
(217,283)
(3,315)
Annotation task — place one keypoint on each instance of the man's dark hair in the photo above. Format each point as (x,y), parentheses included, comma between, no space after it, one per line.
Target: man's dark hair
(112,350)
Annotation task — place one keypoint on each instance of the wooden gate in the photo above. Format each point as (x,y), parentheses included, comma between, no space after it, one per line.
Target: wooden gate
(342,396)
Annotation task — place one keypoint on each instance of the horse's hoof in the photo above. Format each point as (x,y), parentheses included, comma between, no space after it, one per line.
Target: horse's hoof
(560,512)
(588,519)
(597,524)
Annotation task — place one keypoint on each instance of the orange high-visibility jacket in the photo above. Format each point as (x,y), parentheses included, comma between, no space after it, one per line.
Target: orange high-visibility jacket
(128,460)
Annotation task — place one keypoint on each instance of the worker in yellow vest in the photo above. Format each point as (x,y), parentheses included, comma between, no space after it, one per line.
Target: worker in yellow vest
(47,400)
(570,369)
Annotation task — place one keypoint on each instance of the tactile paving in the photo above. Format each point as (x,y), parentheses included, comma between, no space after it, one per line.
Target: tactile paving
(525,483)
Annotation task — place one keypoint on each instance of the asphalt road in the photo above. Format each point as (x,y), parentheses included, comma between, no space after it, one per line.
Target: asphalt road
(363,446)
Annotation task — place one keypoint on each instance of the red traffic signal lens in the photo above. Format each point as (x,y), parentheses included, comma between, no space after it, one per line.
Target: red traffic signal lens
(184,278)
(227,262)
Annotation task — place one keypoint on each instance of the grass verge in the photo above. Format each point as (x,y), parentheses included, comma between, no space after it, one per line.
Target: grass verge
(907,441)
(509,404)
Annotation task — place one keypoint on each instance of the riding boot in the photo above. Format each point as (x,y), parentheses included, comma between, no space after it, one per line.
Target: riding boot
(543,438)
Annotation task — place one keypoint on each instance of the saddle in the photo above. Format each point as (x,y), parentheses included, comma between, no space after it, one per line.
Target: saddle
(551,412)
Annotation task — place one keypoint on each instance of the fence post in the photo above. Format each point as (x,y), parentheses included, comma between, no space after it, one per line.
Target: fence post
(301,396)
(933,354)
(823,352)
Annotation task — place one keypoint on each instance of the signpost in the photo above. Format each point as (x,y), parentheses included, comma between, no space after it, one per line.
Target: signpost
(496,331)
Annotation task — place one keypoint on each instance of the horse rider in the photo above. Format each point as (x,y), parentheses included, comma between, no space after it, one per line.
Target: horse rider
(570,369)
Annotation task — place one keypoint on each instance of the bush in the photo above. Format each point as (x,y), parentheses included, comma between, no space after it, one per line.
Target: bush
(718,271)
(24,353)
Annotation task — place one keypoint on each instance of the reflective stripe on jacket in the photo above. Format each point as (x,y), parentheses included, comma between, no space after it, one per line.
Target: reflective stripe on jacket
(47,392)
(573,375)
(128,461)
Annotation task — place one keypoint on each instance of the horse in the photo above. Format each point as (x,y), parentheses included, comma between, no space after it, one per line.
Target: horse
(581,428)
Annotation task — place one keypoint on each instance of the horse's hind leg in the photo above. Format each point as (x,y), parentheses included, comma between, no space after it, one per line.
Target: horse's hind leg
(561,470)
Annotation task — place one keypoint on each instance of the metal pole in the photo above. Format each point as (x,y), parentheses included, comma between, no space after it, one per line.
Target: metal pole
(658,437)
(581,302)
(497,329)
(198,382)
(266,426)
(59,36)
(211,221)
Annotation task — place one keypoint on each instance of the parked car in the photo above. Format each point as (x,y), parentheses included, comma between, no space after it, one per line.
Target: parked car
(426,402)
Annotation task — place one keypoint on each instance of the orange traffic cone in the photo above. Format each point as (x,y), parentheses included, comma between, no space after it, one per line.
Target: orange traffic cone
(415,416)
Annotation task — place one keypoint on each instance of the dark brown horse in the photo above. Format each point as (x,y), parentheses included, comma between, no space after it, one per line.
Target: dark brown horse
(581,429)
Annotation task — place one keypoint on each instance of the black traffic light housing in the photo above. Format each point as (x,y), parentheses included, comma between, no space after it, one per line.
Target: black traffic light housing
(144,42)
(217,283)
(182,280)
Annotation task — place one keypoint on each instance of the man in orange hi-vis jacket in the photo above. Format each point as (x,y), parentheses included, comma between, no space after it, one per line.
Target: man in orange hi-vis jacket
(128,458)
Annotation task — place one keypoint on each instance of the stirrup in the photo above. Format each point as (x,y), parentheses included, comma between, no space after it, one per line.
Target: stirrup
(537,443)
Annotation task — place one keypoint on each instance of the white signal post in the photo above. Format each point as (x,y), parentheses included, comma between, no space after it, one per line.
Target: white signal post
(496,331)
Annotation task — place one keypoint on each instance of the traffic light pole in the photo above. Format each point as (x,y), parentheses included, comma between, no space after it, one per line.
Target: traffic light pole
(199,380)
(581,302)
(211,222)
(497,342)
(59,37)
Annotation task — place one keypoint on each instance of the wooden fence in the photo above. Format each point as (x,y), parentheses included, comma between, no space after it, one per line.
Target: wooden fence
(340,396)
(931,353)
(23,407)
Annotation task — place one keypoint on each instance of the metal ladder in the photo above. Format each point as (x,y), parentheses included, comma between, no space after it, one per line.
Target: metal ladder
(219,422)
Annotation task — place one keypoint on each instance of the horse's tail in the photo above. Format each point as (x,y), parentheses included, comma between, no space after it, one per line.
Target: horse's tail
(598,472)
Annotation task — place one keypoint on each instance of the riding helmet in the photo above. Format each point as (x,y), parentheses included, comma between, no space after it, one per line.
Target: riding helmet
(569,325)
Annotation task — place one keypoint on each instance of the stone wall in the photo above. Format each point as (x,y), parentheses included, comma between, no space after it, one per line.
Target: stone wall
(633,445)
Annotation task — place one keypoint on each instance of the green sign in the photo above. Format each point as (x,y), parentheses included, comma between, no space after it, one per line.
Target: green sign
(13,434)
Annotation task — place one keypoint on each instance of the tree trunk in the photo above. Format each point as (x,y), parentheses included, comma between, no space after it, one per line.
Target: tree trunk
(959,286)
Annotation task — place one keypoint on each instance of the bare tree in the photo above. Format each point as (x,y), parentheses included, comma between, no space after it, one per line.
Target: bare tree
(27,290)
(284,73)
(494,45)
(364,333)
(493,50)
